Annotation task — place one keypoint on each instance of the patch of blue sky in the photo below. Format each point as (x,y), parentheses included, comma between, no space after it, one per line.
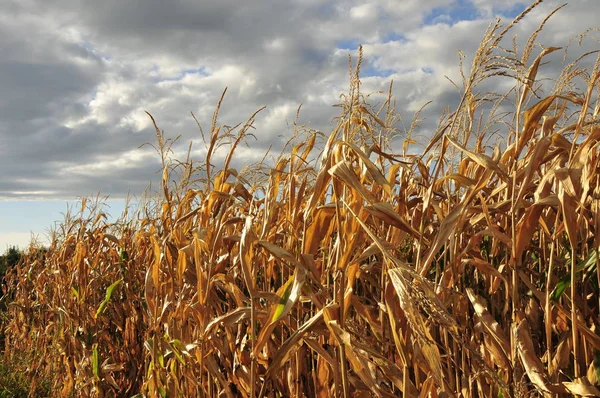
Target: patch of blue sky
(38,217)
(193,71)
(511,12)
(465,10)
(368,69)
(348,44)
(352,44)
(89,47)
(183,73)
(460,10)
(394,37)
(93,96)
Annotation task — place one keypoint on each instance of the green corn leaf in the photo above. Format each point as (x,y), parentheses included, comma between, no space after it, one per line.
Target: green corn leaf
(106,300)
(95,360)
(124,257)
(291,292)
(162,392)
(560,288)
(161,359)
(75,290)
(564,283)
(283,300)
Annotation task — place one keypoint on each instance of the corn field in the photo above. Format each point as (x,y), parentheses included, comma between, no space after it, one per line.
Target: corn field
(353,266)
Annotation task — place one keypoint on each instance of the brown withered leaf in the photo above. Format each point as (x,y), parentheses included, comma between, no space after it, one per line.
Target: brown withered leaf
(320,185)
(280,253)
(532,119)
(357,362)
(581,156)
(247,255)
(317,229)
(534,162)
(426,342)
(571,180)
(373,170)
(448,225)
(569,210)
(527,227)
(533,365)
(229,319)
(343,172)
(492,328)
(486,269)
(290,346)
(386,213)
(458,178)
(481,159)
(582,387)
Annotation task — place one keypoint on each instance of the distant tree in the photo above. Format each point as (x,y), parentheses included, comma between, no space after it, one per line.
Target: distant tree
(11,257)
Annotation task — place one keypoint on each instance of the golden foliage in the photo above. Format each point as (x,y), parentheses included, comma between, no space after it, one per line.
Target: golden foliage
(467,270)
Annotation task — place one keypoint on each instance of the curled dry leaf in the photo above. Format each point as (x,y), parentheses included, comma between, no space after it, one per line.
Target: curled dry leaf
(531,362)
(582,387)
(492,328)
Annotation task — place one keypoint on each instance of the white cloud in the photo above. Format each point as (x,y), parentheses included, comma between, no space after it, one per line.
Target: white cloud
(77,76)
(106,165)
(21,240)
(364,12)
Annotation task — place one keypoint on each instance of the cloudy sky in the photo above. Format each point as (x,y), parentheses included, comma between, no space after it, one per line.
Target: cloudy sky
(77,75)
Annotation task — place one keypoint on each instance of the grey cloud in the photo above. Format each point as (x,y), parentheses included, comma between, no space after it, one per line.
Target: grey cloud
(77,76)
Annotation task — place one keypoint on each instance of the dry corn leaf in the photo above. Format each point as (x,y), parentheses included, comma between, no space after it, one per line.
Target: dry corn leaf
(317,230)
(569,211)
(344,172)
(394,316)
(481,159)
(228,320)
(373,115)
(357,362)
(460,179)
(486,269)
(290,346)
(526,227)
(492,328)
(533,365)
(582,387)
(426,342)
(570,179)
(533,164)
(532,118)
(280,253)
(582,155)
(448,225)
(323,178)
(112,238)
(386,212)
(247,255)
(373,170)
(156,263)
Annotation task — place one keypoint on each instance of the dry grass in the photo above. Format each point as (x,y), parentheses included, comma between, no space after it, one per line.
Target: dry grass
(468,270)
